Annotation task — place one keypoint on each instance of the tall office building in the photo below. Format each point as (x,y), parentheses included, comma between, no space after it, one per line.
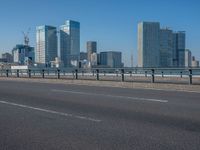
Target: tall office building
(188,58)
(160,47)
(91,48)
(166,48)
(70,43)
(148,44)
(180,39)
(179,49)
(111,59)
(175,51)
(46,44)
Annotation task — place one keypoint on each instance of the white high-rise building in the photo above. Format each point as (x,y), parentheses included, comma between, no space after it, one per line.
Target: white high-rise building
(70,43)
(148,44)
(188,58)
(46,44)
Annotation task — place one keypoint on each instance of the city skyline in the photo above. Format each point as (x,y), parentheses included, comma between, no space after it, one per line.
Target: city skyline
(161,47)
(120,28)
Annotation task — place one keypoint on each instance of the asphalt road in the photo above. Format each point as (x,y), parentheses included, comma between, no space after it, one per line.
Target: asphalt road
(41,116)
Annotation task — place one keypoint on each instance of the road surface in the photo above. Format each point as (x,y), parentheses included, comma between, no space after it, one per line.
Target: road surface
(44,116)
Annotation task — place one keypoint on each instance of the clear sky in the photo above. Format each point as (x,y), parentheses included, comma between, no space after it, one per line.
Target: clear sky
(112,23)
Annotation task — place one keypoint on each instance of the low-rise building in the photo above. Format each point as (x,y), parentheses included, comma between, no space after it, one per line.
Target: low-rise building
(7,57)
(195,63)
(23,55)
(111,59)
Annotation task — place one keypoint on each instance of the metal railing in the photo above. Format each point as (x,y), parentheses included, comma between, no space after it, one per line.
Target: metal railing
(173,75)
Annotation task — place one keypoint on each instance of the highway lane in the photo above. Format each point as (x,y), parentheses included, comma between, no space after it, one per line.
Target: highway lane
(54,116)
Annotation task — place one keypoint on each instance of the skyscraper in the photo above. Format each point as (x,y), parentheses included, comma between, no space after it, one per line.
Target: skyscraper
(166,48)
(179,49)
(91,48)
(148,44)
(160,47)
(175,51)
(180,39)
(46,44)
(70,43)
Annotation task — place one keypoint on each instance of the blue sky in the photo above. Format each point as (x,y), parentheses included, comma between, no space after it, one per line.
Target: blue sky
(113,23)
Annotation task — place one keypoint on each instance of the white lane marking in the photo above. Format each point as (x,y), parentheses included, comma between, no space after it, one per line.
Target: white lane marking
(112,96)
(51,111)
(173,90)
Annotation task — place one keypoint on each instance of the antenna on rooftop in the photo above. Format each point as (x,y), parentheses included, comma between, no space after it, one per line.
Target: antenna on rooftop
(131,59)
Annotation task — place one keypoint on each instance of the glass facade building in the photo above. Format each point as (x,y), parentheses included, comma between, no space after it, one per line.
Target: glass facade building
(70,43)
(180,39)
(148,44)
(46,44)
(166,48)
(160,47)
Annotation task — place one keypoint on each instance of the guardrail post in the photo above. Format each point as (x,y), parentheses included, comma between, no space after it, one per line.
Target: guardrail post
(162,74)
(122,72)
(190,76)
(17,73)
(152,76)
(43,73)
(97,71)
(58,73)
(29,73)
(181,74)
(7,73)
(76,74)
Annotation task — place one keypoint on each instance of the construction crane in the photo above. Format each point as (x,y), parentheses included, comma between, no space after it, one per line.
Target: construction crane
(26,37)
